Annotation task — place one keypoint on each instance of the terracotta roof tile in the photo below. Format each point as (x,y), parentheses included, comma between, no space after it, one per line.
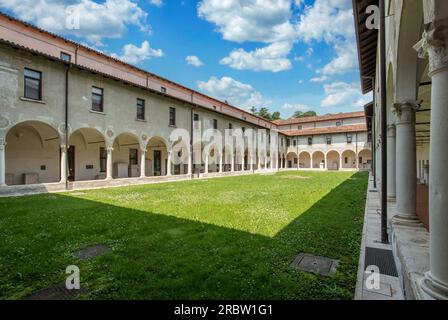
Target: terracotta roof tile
(326,130)
(325,117)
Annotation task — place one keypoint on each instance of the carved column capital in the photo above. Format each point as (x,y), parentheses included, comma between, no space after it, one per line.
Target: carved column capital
(433,45)
(110,149)
(2,144)
(405,111)
(63,148)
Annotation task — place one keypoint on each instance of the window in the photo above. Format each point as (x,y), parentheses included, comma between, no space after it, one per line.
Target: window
(338,123)
(97,99)
(288,142)
(360,160)
(299,127)
(172,116)
(310,141)
(103,159)
(215,124)
(133,156)
(349,138)
(369,137)
(140,109)
(230,126)
(196,121)
(294,142)
(66,57)
(33,84)
(243,129)
(163,89)
(281,142)
(345,160)
(328,140)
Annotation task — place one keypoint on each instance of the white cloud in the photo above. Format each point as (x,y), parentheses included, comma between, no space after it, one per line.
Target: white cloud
(266,21)
(194,61)
(331,21)
(296,107)
(269,58)
(97,21)
(235,92)
(319,79)
(133,54)
(157,3)
(250,20)
(343,94)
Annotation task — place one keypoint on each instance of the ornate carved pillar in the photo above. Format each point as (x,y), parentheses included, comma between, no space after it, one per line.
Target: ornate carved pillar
(391,163)
(406,167)
(434,45)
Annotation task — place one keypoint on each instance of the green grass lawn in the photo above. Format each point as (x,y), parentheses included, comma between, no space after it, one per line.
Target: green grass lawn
(226,238)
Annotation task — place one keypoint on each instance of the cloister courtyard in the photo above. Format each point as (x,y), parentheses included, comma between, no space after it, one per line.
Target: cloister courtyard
(220,238)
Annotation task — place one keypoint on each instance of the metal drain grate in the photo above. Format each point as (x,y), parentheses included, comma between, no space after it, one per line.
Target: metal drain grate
(373,190)
(383,259)
(310,263)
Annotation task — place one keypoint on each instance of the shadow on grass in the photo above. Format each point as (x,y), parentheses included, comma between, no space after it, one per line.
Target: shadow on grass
(162,257)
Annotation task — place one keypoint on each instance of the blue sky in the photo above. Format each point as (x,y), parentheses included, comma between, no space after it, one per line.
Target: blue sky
(286,55)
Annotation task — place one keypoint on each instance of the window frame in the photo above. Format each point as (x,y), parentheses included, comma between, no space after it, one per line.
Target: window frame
(141,103)
(102,99)
(172,117)
(329,140)
(310,141)
(69,56)
(215,124)
(25,77)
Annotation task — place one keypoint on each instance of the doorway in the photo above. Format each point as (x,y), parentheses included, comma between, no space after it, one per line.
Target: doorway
(71,163)
(157,163)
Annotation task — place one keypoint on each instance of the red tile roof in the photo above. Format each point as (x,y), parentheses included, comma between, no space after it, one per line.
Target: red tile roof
(326,130)
(325,117)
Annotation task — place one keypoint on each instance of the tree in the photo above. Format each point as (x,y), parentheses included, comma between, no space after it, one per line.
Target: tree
(253,110)
(275,116)
(264,113)
(301,114)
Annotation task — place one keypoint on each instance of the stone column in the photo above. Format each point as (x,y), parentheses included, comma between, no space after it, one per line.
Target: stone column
(143,163)
(232,162)
(406,167)
(258,162)
(220,161)
(168,164)
(251,163)
(207,156)
(109,163)
(63,164)
(391,162)
(2,163)
(242,162)
(435,45)
(265,162)
(190,166)
(340,161)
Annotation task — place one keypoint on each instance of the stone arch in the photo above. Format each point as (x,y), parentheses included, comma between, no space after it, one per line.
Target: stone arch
(87,155)
(364,159)
(318,160)
(333,160)
(32,153)
(292,160)
(348,159)
(304,160)
(126,155)
(156,159)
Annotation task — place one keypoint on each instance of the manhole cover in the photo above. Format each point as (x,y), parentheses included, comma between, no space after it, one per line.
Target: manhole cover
(55,292)
(310,263)
(92,251)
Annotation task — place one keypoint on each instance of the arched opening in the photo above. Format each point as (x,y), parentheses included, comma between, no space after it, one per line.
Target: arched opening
(348,159)
(180,157)
(156,157)
(291,160)
(213,154)
(32,154)
(333,162)
(87,155)
(365,159)
(304,160)
(126,156)
(318,160)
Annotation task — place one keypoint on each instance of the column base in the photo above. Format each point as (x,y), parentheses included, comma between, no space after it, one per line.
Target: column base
(406,220)
(434,288)
(391,199)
